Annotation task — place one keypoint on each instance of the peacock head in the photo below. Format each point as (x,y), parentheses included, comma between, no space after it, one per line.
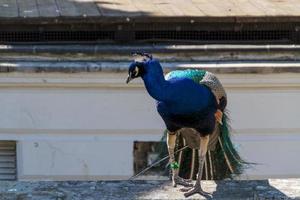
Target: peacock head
(137,68)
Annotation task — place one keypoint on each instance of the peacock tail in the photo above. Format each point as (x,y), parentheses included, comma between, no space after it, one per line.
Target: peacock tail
(235,162)
(222,160)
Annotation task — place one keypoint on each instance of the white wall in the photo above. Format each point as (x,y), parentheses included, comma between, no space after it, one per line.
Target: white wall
(267,127)
(82,126)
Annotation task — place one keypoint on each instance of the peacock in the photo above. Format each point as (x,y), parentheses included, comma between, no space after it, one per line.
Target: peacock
(192,104)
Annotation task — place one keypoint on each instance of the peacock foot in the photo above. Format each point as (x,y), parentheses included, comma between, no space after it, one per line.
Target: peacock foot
(181,181)
(195,190)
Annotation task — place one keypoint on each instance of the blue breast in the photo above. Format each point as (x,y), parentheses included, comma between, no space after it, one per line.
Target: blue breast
(189,97)
(193,106)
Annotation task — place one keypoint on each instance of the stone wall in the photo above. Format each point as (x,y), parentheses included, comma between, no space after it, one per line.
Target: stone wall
(82,126)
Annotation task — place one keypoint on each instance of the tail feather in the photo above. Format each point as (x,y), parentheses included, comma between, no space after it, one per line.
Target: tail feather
(225,159)
(222,160)
(228,147)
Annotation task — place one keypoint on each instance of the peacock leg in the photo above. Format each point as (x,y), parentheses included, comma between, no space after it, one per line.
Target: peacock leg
(202,153)
(171,141)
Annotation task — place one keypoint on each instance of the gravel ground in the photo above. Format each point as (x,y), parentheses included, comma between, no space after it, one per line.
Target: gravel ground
(77,190)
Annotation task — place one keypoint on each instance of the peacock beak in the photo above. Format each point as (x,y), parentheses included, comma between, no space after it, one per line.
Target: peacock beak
(129,78)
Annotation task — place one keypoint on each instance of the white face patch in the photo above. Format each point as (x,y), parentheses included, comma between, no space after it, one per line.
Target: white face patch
(136,71)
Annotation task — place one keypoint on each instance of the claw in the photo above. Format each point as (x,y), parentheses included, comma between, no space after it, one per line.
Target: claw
(180,181)
(196,190)
(185,189)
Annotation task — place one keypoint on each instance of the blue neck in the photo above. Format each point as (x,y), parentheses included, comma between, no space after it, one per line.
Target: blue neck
(181,95)
(157,86)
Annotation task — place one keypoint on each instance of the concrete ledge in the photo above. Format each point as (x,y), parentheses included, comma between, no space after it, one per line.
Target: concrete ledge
(143,19)
(262,67)
(71,58)
(127,49)
(263,189)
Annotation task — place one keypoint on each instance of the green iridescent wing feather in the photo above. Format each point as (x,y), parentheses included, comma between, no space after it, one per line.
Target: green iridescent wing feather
(194,74)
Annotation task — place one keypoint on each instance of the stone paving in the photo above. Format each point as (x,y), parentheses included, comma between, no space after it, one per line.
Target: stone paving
(112,190)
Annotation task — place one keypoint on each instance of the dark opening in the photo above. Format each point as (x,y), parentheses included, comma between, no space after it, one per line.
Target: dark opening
(146,153)
(8,168)
(283,35)
(155,32)
(55,36)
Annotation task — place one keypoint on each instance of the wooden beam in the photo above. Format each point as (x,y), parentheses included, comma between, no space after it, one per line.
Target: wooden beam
(8,8)
(47,8)
(28,8)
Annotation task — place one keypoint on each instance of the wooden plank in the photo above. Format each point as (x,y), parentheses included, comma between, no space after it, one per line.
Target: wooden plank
(68,8)
(118,8)
(87,8)
(28,8)
(188,8)
(167,8)
(7,165)
(7,148)
(7,153)
(288,8)
(7,171)
(7,143)
(7,159)
(8,8)
(268,7)
(227,8)
(7,177)
(248,9)
(127,8)
(107,8)
(47,8)
(147,8)
(207,8)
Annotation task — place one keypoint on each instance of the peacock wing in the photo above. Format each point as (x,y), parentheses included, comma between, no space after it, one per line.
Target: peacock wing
(194,74)
(206,78)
